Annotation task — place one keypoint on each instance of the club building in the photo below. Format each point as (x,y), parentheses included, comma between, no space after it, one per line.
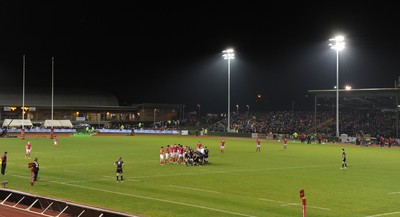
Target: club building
(80,106)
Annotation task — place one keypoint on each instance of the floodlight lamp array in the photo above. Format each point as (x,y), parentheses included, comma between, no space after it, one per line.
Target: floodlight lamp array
(228,54)
(339,43)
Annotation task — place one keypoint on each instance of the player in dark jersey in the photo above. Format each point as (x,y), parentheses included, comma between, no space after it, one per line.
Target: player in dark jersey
(35,169)
(206,155)
(344,164)
(119,164)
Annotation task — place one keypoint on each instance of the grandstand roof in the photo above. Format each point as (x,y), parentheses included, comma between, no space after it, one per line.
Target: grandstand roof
(11,96)
(16,122)
(370,98)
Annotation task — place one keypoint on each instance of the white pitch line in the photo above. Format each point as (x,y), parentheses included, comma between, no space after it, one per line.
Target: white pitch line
(77,181)
(394,192)
(384,214)
(150,198)
(156,199)
(195,189)
(292,204)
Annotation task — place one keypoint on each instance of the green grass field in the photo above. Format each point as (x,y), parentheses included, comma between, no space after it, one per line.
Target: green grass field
(240,182)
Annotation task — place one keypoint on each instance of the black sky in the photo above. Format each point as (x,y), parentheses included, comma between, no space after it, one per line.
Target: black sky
(171,52)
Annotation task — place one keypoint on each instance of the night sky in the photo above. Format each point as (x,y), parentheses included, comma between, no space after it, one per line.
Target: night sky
(172,52)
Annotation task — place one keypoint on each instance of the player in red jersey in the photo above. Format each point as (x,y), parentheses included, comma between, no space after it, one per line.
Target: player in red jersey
(55,139)
(167,154)
(180,154)
(174,153)
(285,143)
(162,155)
(222,146)
(199,146)
(28,149)
(258,144)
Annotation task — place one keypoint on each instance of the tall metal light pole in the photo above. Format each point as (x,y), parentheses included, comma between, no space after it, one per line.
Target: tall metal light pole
(23,98)
(155,110)
(229,54)
(338,45)
(52,98)
(237,109)
(198,115)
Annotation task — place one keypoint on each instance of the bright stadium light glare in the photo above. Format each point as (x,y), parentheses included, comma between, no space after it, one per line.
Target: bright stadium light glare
(229,54)
(338,45)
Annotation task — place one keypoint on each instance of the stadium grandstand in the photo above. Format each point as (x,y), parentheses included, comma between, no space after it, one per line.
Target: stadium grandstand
(365,114)
(373,107)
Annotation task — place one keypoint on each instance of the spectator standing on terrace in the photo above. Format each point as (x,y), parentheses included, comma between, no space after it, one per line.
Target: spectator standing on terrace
(222,146)
(28,149)
(344,164)
(309,139)
(391,142)
(382,141)
(119,164)
(319,137)
(258,144)
(3,163)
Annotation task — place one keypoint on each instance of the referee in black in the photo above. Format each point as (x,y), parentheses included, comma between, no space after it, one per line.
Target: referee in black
(344,164)
(119,164)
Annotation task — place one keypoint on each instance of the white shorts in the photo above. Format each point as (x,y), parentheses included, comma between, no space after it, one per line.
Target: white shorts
(258,146)
(28,151)
(167,155)
(55,143)
(222,147)
(161,156)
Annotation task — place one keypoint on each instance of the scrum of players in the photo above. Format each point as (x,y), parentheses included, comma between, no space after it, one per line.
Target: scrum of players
(179,154)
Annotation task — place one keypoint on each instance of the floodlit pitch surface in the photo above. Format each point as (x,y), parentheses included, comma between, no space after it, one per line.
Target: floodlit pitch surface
(239,182)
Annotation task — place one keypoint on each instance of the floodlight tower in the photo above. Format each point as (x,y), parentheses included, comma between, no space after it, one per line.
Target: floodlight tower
(338,45)
(229,54)
(23,98)
(198,115)
(154,122)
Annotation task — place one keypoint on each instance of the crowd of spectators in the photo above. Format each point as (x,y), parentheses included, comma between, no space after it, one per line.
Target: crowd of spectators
(352,123)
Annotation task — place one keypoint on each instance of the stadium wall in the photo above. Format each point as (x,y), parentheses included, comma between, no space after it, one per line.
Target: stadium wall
(14,198)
